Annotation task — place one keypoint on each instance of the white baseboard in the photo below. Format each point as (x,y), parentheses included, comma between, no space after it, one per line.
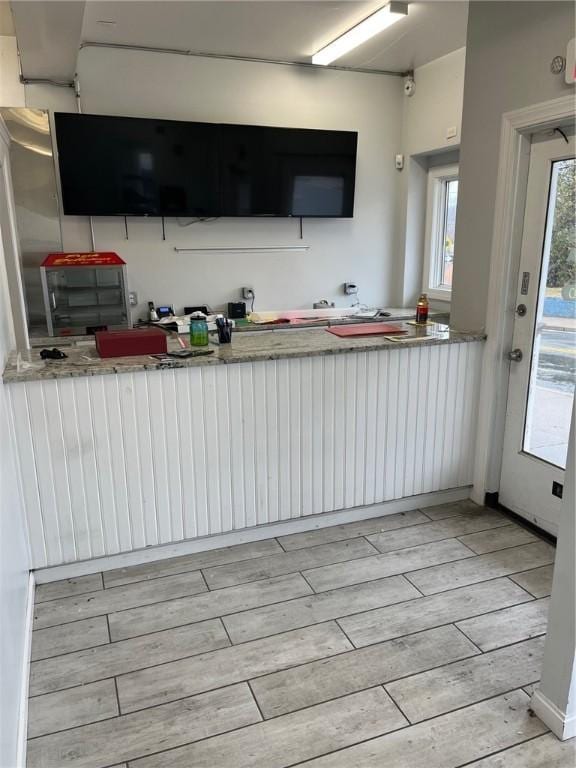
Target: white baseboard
(257,533)
(561,726)
(25,676)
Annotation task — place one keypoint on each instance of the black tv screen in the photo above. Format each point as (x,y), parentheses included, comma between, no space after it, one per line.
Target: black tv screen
(287,172)
(134,167)
(123,166)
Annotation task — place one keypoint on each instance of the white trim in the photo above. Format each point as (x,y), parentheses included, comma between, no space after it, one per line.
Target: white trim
(505,251)
(439,294)
(25,676)
(4,132)
(562,727)
(269,531)
(435,206)
(12,255)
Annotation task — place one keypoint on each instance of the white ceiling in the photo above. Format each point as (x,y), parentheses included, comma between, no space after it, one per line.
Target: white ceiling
(49,33)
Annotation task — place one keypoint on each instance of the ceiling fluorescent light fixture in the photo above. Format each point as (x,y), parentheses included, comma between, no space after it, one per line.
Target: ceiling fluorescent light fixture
(370,26)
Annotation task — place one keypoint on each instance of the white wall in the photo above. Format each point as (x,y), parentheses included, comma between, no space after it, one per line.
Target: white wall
(11,90)
(509,49)
(555,699)
(381,248)
(435,107)
(172,86)
(14,556)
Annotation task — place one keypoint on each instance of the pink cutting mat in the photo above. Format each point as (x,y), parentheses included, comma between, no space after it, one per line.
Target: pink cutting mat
(366,329)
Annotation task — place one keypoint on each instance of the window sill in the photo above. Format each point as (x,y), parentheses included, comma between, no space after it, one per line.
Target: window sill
(439,294)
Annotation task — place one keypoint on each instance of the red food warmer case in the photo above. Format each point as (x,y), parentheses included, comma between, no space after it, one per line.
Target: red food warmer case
(84,292)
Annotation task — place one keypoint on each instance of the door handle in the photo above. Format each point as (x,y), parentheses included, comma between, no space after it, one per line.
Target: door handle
(53,297)
(515,355)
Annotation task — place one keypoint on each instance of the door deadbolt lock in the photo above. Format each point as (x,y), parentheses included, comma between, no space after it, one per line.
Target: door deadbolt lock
(521,310)
(515,355)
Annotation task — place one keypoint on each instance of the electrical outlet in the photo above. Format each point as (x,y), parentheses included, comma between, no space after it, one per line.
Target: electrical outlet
(133,298)
(350,289)
(247,292)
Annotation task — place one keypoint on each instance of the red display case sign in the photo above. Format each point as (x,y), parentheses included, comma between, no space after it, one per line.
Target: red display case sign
(92,259)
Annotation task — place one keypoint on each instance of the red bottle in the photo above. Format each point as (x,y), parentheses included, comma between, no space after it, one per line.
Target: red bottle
(422,309)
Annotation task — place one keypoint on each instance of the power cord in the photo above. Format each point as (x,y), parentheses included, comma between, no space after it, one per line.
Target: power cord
(249,293)
(358,304)
(206,220)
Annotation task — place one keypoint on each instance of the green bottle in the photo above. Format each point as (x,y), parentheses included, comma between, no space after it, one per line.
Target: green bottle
(198,330)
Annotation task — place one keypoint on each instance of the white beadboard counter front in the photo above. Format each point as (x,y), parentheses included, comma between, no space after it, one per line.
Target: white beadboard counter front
(274,427)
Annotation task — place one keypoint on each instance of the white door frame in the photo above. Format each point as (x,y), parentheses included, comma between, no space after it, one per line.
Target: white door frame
(11,247)
(514,159)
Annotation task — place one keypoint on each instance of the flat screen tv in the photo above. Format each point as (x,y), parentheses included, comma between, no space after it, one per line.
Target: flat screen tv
(124,166)
(286,171)
(133,167)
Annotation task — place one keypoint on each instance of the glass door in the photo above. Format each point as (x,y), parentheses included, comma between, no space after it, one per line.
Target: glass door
(553,368)
(543,358)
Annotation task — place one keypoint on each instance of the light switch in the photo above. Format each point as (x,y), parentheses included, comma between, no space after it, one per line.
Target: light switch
(451,132)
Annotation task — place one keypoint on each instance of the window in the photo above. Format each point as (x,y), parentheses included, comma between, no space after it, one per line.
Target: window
(440,230)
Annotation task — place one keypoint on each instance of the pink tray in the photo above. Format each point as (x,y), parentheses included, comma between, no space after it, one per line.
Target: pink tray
(366,329)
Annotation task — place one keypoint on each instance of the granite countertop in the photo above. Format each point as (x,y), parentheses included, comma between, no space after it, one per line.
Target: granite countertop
(83,360)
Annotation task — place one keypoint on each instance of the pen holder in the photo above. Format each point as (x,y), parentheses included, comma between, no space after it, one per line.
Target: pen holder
(224,329)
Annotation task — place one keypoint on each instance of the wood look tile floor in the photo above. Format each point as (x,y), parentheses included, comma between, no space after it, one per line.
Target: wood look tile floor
(408,641)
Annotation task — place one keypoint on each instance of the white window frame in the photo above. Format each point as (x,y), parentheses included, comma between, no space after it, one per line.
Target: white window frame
(435,207)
